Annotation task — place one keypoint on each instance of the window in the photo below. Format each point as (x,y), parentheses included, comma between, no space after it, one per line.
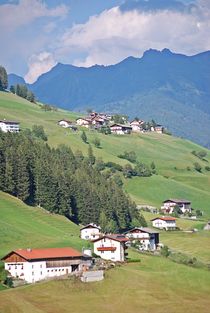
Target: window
(32,273)
(32,266)
(102,251)
(112,251)
(40,265)
(51,270)
(40,273)
(48,271)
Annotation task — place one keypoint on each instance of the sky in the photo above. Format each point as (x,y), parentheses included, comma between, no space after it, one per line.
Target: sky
(37,34)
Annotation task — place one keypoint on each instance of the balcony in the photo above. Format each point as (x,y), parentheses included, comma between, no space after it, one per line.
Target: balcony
(106,248)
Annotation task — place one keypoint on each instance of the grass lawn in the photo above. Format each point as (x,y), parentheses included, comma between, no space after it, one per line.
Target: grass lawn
(172,156)
(195,244)
(154,285)
(22,226)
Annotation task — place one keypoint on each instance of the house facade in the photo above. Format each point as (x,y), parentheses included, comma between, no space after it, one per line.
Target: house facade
(169,204)
(120,129)
(111,247)
(90,232)
(148,238)
(9,126)
(165,222)
(33,265)
(85,122)
(64,123)
(158,129)
(137,126)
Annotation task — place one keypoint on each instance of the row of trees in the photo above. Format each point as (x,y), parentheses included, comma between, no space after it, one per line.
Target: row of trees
(23,92)
(3,78)
(63,182)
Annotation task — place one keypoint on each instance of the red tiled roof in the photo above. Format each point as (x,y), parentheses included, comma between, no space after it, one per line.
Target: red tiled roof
(50,253)
(164,218)
(106,248)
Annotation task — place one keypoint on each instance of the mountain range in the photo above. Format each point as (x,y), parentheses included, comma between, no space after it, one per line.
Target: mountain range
(171,88)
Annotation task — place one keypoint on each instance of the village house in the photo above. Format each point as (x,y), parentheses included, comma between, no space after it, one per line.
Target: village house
(207,226)
(33,265)
(170,204)
(111,247)
(120,129)
(90,232)
(9,126)
(148,238)
(84,122)
(164,222)
(158,129)
(65,123)
(137,126)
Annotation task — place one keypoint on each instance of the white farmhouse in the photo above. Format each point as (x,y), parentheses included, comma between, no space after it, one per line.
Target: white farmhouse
(164,222)
(9,126)
(120,129)
(111,247)
(33,265)
(90,232)
(85,122)
(169,204)
(148,238)
(64,123)
(137,125)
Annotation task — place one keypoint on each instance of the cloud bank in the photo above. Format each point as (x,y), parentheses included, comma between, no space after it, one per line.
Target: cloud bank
(116,34)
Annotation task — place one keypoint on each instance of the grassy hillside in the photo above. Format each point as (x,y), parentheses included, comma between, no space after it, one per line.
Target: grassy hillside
(22,226)
(195,244)
(154,285)
(172,156)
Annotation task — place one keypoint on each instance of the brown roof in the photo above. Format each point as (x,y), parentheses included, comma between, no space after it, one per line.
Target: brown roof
(143,229)
(164,218)
(106,248)
(116,237)
(49,253)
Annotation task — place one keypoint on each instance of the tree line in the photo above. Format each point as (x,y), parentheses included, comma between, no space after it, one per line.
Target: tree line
(23,92)
(63,182)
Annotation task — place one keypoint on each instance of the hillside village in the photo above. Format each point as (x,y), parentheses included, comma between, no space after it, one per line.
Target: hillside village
(107,123)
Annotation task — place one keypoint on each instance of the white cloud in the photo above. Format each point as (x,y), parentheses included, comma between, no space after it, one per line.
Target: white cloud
(39,64)
(114,35)
(14,15)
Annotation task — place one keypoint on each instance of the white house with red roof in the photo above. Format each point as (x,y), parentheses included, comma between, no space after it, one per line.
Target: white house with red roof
(111,247)
(148,238)
(90,232)
(9,126)
(169,204)
(164,222)
(33,265)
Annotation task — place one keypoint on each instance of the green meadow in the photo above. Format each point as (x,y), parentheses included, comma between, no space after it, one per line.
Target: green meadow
(176,176)
(22,226)
(153,285)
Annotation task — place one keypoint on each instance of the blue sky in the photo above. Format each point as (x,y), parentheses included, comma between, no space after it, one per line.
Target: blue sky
(36,34)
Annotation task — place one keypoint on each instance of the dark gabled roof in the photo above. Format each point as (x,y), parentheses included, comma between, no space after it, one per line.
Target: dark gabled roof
(91,226)
(144,230)
(121,125)
(179,201)
(116,237)
(9,122)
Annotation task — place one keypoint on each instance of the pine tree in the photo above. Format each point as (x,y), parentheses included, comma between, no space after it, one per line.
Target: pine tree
(84,137)
(91,157)
(3,78)
(12,89)
(22,176)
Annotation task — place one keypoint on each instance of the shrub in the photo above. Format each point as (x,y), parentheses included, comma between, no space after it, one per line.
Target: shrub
(207,168)
(197,167)
(116,166)
(165,251)
(130,156)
